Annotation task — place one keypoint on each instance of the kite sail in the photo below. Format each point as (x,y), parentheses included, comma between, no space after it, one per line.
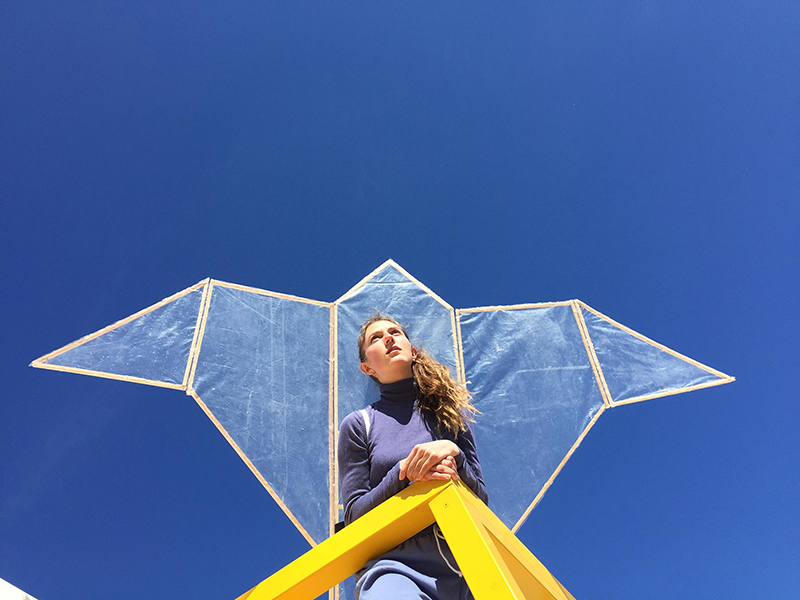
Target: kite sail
(277,374)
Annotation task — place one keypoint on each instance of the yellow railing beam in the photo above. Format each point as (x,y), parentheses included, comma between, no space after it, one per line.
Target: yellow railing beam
(344,553)
(475,554)
(493,570)
(510,541)
(496,565)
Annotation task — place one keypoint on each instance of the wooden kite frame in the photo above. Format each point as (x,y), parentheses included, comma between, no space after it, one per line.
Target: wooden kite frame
(208,285)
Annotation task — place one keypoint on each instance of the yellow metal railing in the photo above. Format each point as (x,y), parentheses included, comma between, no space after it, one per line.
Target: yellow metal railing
(496,565)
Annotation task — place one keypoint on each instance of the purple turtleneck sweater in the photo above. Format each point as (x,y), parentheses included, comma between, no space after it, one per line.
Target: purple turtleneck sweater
(369,465)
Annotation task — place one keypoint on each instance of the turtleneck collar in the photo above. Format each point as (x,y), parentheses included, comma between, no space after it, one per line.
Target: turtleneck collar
(398,391)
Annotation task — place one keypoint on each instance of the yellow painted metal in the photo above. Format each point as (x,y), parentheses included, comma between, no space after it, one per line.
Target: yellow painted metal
(474,552)
(496,565)
(494,562)
(508,540)
(344,553)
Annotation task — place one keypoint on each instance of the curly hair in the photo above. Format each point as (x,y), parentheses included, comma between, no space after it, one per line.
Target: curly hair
(446,400)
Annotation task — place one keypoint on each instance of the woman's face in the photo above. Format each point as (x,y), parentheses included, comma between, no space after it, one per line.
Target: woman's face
(388,352)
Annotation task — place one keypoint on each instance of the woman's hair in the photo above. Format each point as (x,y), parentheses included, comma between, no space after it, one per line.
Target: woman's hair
(446,400)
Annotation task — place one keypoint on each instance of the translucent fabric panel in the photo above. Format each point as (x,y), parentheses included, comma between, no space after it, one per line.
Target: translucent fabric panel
(153,346)
(534,384)
(428,323)
(263,372)
(634,368)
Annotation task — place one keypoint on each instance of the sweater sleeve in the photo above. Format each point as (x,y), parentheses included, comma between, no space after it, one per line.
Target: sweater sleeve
(469,467)
(358,497)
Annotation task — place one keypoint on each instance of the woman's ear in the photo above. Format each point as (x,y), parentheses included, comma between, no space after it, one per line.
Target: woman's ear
(366,370)
(413,353)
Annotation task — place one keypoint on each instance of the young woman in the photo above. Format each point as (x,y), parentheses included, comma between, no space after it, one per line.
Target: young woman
(419,430)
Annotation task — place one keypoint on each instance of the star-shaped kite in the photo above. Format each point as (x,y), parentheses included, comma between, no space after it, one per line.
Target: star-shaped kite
(277,374)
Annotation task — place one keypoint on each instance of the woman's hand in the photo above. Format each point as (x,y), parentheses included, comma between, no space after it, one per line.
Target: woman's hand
(424,457)
(446,469)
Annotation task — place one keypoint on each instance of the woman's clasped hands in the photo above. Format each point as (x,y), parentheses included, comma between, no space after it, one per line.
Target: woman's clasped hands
(431,461)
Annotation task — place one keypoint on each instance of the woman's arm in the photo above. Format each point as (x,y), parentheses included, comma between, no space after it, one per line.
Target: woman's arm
(431,455)
(469,467)
(358,497)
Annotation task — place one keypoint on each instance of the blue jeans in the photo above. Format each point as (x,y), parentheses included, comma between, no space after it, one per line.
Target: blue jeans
(414,570)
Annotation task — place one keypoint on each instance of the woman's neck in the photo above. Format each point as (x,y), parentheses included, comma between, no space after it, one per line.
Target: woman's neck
(398,391)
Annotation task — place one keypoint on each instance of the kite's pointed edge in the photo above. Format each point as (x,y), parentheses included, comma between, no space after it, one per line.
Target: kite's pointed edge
(102,374)
(253,469)
(691,388)
(39,362)
(424,287)
(409,276)
(546,486)
(364,280)
(662,347)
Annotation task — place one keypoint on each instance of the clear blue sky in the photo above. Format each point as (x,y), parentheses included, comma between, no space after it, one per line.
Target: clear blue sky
(641,156)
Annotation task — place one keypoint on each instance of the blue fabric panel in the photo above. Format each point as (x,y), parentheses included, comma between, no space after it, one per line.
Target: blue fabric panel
(634,368)
(263,373)
(534,384)
(154,346)
(389,274)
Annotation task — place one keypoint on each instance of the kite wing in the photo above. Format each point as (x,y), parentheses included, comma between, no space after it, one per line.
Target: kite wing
(277,374)
(258,364)
(153,346)
(542,375)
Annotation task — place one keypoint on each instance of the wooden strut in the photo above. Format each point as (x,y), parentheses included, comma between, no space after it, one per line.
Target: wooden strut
(193,351)
(496,565)
(281,504)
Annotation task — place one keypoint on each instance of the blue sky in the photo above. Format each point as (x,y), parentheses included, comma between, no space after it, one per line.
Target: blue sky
(642,157)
